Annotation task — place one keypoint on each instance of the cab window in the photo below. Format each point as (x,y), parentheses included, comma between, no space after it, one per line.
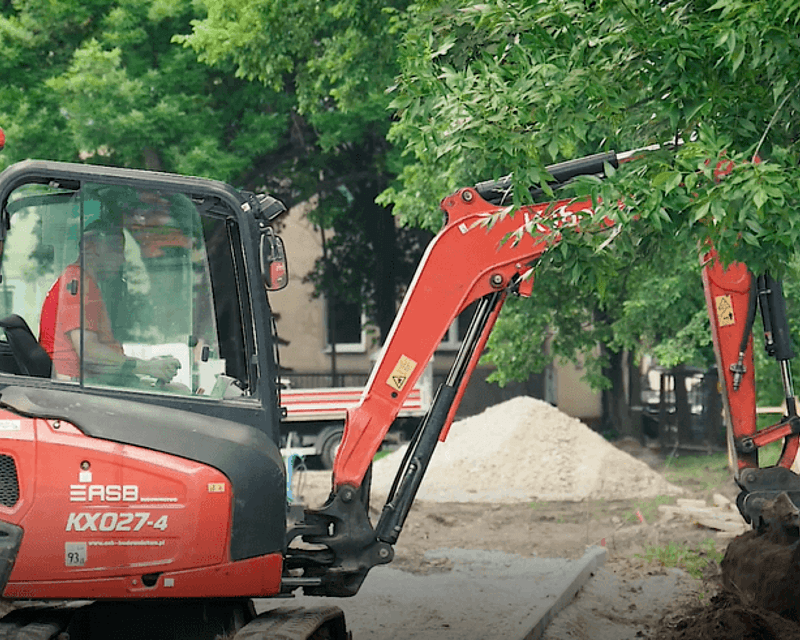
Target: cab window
(120,287)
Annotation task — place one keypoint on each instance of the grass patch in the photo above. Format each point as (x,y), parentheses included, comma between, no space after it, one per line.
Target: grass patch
(691,559)
(698,472)
(706,471)
(768,456)
(649,508)
(692,464)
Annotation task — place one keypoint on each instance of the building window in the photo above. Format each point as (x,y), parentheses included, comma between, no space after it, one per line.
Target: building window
(458,330)
(345,327)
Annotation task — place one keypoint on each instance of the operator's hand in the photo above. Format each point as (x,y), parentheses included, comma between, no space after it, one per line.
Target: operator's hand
(163,368)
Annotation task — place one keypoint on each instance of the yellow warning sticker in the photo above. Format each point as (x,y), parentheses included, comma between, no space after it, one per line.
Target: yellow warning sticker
(402,370)
(725,316)
(216,487)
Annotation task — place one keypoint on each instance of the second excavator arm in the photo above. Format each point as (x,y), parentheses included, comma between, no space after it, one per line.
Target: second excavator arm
(482,254)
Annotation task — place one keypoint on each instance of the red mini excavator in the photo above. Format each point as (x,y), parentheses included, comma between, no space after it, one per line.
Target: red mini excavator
(140,502)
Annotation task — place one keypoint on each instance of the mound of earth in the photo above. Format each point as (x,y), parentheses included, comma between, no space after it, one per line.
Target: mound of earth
(727,616)
(764,570)
(525,449)
(760,595)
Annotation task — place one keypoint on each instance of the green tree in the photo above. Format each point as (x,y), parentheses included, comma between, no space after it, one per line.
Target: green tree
(334,60)
(514,86)
(102,82)
(117,83)
(507,87)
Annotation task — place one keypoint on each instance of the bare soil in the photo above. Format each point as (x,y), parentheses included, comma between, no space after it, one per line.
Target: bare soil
(629,597)
(727,616)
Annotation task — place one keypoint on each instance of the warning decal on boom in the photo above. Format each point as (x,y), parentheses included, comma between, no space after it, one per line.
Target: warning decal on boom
(725,316)
(402,370)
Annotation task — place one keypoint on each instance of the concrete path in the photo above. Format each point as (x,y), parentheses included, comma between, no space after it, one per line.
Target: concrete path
(486,594)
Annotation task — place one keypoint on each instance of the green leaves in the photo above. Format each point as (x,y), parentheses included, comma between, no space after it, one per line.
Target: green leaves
(102,82)
(506,88)
(477,91)
(338,54)
(667,180)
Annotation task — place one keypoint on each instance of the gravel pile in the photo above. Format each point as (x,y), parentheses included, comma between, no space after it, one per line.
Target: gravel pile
(526,449)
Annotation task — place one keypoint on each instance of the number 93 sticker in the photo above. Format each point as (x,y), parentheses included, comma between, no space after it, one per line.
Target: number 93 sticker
(74,554)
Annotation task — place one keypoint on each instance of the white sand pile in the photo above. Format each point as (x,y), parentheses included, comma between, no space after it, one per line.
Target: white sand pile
(526,449)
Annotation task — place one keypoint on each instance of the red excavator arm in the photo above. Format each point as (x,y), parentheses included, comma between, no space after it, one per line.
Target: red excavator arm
(484,253)
(472,258)
(733,296)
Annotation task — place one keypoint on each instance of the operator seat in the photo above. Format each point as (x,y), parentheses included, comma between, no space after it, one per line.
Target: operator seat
(30,356)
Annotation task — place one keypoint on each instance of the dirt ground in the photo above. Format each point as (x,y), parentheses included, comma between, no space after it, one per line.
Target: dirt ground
(629,597)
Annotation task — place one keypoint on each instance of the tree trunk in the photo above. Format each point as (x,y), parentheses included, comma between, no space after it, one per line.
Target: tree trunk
(616,406)
(383,236)
(331,317)
(152,160)
(635,396)
(683,413)
(712,410)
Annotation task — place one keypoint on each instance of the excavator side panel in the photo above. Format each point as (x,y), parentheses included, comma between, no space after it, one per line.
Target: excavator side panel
(114,520)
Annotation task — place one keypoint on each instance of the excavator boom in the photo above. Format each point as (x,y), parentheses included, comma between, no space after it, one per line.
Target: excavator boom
(481,251)
(484,249)
(484,252)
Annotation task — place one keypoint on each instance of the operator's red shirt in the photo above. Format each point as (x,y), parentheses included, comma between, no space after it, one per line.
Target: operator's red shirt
(61,313)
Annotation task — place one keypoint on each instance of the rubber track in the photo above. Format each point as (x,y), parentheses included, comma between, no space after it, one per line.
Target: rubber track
(35,623)
(295,623)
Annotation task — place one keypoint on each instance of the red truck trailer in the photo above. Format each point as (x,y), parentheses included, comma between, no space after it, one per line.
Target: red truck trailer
(313,420)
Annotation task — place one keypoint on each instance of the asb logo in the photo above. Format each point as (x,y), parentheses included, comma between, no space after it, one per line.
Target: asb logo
(103,493)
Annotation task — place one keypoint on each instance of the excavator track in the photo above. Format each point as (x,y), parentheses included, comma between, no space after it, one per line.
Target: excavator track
(209,620)
(297,623)
(35,622)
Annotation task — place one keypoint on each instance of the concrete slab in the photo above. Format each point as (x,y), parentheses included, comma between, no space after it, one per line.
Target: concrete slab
(486,594)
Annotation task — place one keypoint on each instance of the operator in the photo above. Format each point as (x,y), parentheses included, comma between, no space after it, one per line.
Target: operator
(103,247)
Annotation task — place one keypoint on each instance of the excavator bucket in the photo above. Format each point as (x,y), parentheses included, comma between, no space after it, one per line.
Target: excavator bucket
(770,499)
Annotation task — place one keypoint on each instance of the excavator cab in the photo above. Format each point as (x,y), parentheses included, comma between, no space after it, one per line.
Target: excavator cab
(118,483)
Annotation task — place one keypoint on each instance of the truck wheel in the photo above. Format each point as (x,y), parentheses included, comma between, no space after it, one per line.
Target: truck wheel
(327,452)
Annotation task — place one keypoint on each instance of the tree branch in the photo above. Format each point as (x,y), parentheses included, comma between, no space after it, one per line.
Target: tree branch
(773,119)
